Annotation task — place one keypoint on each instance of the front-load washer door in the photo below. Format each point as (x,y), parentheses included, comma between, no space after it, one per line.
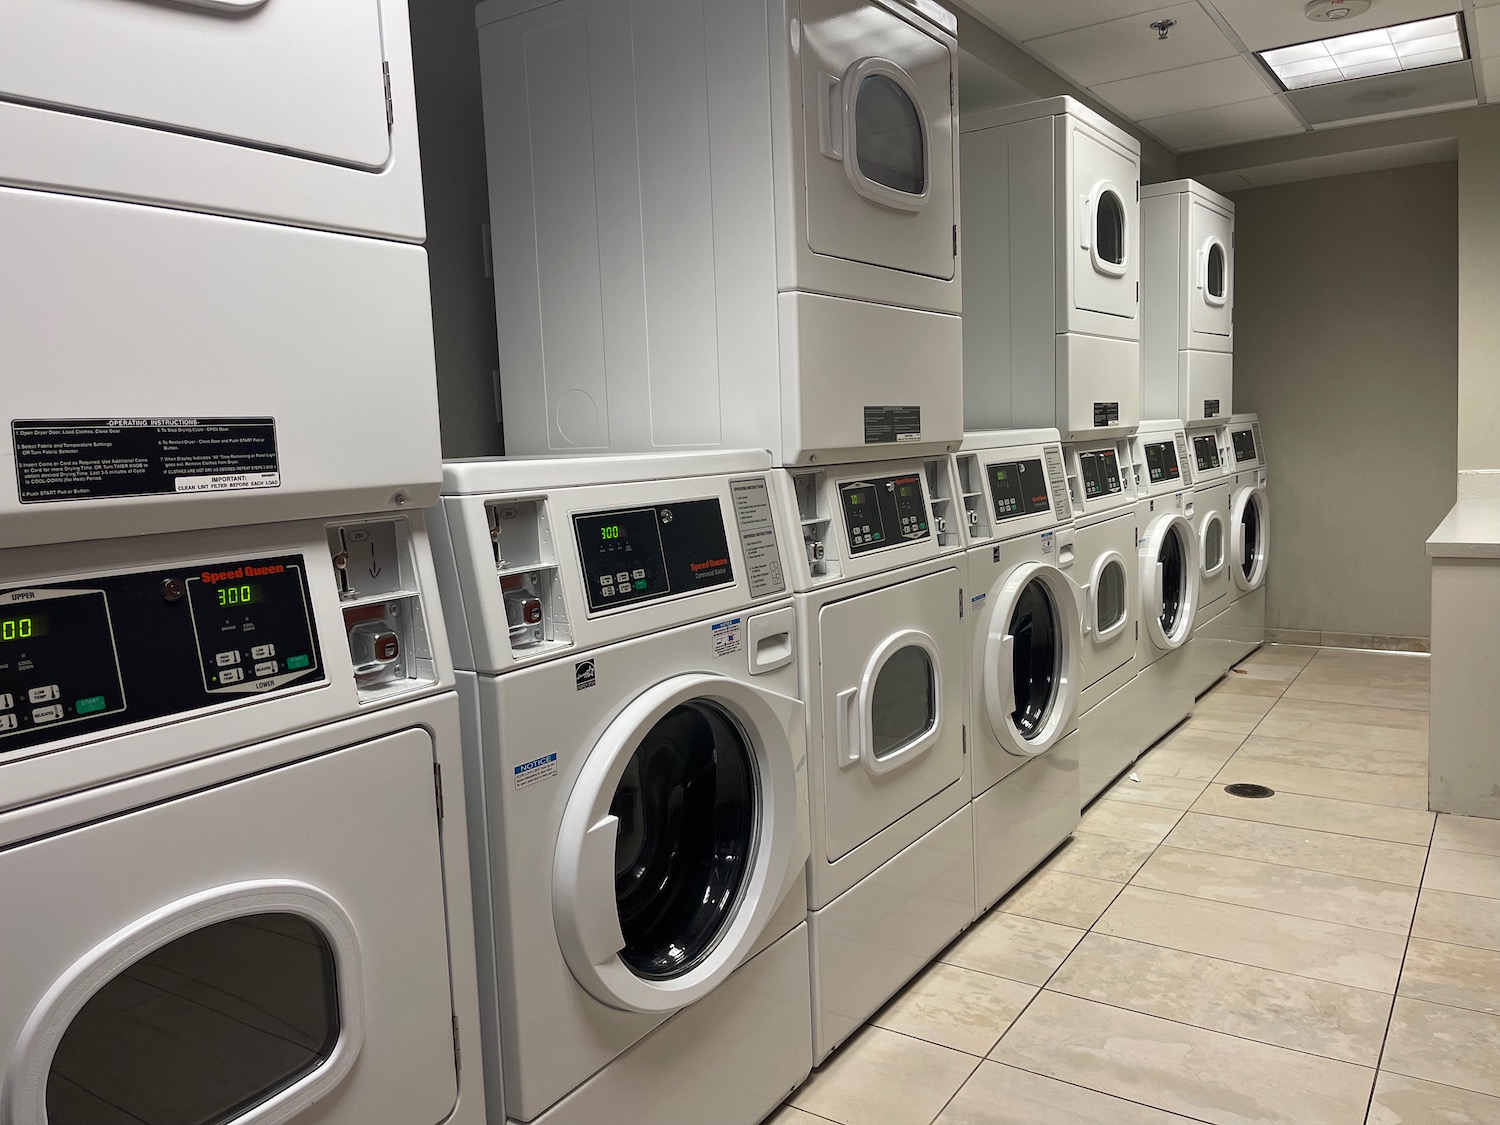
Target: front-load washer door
(892,701)
(1170,582)
(1250,524)
(1211,297)
(1105,228)
(305,78)
(1110,599)
(681,836)
(878,137)
(1029,677)
(269,950)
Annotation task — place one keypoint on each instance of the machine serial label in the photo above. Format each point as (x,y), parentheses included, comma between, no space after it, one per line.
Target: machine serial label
(1210,408)
(538,769)
(106,458)
(886,424)
(752,513)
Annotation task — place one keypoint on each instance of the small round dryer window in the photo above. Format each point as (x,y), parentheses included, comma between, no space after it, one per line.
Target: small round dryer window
(888,141)
(904,705)
(1213,545)
(687,811)
(1109,598)
(1036,657)
(1251,521)
(1173,579)
(201,1030)
(1217,271)
(1109,228)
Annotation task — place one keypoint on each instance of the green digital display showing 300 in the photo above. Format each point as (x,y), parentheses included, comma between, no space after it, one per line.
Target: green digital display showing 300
(610,531)
(22,628)
(239,595)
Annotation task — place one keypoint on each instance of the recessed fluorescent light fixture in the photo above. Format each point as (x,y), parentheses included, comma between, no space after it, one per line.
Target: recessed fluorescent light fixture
(1387,50)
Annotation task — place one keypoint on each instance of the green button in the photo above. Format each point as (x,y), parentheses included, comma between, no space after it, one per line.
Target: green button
(90,705)
(297,663)
(640,583)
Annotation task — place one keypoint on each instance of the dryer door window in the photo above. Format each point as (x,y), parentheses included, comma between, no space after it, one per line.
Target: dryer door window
(1109,230)
(1251,535)
(1111,606)
(904,704)
(686,806)
(1216,279)
(1036,658)
(202,1029)
(890,140)
(1174,578)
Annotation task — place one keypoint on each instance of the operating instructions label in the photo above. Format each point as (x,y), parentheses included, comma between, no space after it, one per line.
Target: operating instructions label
(105,458)
(885,424)
(752,514)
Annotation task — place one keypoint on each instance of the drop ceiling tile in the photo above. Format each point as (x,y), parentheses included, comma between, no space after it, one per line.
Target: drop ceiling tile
(1264,25)
(1489,70)
(1224,124)
(1023,20)
(1484,37)
(1125,48)
(1220,82)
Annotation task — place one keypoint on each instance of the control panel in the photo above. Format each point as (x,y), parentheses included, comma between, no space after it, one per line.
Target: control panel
(1161,462)
(1206,452)
(76,657)
(1019,488)
(1100,469)
(1244,445)
(637,555)
(884,511)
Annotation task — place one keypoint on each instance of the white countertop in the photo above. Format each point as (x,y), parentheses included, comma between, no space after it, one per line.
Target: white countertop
(1470,531)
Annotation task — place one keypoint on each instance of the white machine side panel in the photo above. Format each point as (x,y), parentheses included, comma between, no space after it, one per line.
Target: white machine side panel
(1206,380)
(199,316)
(302,78)
(1010,323)
(1162,281)
(1098,387)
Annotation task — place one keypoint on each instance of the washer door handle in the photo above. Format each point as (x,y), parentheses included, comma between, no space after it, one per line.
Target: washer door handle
(599,925)
(999,685)
(846,732)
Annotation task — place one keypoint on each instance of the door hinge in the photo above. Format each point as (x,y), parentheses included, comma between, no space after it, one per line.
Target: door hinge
(437,785)
(960,603)
(458,1051)
(952,94)
(1137,292)
(1137,630)
(390,106)
(955,240)
(964,738)
(1138,191)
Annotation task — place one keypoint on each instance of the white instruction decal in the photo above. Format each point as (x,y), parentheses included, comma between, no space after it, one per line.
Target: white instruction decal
(728,636)
(752,512)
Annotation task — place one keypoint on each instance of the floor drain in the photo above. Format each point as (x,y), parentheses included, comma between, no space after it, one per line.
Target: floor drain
(1245,789)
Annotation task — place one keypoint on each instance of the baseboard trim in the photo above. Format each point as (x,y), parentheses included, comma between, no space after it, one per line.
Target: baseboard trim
(1363,641)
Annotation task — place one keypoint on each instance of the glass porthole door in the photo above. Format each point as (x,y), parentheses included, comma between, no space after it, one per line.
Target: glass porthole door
(1109,597)
(1212,544)
(1252,530)
(1109,233)
(679,840)
(1169,571)
(1031,658)
(1214,281)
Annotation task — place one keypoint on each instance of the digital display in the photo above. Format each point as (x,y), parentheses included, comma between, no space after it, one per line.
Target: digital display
(1206,452)
(609,531)
(1244,445)
(23,628)
(1161,462)
(1101,473)
(1019,488)
(240,595)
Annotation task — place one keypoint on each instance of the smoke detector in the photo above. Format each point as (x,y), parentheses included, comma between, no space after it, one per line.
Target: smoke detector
(1331,11)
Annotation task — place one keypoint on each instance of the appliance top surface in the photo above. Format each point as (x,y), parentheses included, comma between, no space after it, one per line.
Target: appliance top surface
(1244,419)
(510,474)
(1160,428)
(1049,107)
(1188,187)
(977,440)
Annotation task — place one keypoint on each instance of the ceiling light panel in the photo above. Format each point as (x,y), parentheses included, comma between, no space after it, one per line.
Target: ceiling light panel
(1386,50)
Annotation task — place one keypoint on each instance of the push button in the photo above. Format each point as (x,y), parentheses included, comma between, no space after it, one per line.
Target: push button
(227,659)
(262,652)
(47,714)
(266,668)
(297,663)
(638,573)
(231,675)
(7,701)
(8,722)
(623,578)
(91,705)
(43,694)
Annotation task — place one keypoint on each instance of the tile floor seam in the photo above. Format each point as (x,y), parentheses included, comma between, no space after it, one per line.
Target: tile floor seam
(1168,842)
(967,1079)
(1091,1090)
(1319,831)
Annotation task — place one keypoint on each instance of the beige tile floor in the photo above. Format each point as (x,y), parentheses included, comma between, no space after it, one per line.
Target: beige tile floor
(1327,956)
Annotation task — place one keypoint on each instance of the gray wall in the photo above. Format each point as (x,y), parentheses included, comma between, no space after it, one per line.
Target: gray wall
(445,53)
(1346,345)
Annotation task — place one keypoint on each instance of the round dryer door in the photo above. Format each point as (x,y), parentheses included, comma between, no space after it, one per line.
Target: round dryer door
(1251,521)
(682,835)
(1031,658)
(1212,545)
(1169,580)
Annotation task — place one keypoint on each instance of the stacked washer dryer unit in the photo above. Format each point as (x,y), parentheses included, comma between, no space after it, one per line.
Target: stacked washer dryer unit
(1242,625)
(725,224)
(1209,654)
(1026,652)
(1161,694)
(227,717)
(639,813)
(880,585)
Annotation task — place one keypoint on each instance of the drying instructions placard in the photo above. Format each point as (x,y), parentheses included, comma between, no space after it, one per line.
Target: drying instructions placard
(105,458)
(752,512)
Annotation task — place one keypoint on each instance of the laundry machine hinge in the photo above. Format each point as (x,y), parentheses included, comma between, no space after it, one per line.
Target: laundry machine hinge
(964,738)
(960,603)
(955,240)
(437,784)
(952,96)
(390,105)
(458,1051)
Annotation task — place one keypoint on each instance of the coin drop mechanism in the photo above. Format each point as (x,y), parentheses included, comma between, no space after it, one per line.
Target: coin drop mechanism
(383,619)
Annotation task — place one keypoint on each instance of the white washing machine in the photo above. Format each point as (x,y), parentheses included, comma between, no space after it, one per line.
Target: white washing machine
(158,166)
(302,114)
(232,856)
(1242,625)
(639,814)
(725,223)
(1187,302)
(880,586)
(1208,654)
(1026,641)
(1052,246)
(1103,482)
(1162,692)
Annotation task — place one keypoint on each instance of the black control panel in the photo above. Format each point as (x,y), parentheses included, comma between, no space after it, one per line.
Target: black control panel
(1161,461)
(884,512)
(1244,445)
(637,555)
(1206,452)
(1019,488)
(77,657)
(1100,469)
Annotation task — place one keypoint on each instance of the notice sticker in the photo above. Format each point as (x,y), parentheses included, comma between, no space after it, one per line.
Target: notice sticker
(108,458)
(538,769)
(728,636)
(1049,540)
(886,424)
